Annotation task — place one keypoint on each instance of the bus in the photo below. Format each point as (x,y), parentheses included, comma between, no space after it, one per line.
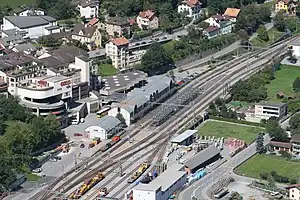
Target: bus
(103,111)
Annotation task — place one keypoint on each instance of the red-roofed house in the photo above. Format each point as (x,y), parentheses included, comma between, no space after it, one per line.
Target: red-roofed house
(93,22)
(294,191)
(232,13)
(211,31)
(147,20)
(118,50)
(192,8)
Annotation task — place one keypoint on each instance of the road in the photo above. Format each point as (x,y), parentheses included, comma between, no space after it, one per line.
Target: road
(199,190)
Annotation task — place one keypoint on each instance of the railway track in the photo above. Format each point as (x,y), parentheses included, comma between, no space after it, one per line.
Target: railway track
(139,129)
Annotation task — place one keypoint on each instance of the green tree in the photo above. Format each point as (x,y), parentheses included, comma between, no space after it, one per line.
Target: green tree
(298,11)
(263,33)
(4,11)
(120,117)
(243,35)
(279,21)
(275,131)
(296,85)
(260,143)
(291,23)
(49,41)
(156,60)
(59,9)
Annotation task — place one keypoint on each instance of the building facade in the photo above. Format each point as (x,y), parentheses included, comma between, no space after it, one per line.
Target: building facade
(163,186)
(147,20)
(282,5)
(117,26)
(192,8)
(25,10)
(89,35)
(211,32)
(294,191)
(267,110)
(118,50)
(88,8)
(34,26)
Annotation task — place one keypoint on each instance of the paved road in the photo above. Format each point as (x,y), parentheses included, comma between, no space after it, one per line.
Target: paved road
(199,190)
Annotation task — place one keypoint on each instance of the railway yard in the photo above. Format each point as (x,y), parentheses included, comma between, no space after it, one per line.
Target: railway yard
(114,171)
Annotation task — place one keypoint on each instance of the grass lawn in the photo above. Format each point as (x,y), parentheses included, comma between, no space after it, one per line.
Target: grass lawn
(32,177)
(273,33)
(267,163)
(283,82)
(223,129)
(15,3)
(107,70)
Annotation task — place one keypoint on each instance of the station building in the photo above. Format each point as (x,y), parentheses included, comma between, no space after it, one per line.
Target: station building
(186,138)
(202,159)
(163,186)
(138,98)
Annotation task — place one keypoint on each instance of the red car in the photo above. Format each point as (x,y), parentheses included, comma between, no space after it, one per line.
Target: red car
(77,134)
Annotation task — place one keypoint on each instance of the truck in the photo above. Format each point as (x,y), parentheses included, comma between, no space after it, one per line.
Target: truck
(87,185)
(142,168)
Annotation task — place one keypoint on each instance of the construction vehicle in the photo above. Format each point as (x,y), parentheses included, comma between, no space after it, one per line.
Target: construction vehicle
(113,141)
(86,186)
(142,168)
(102,192)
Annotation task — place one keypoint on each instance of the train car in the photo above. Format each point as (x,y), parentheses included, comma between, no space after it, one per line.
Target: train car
(86,186)
(113,141)
(103,111)
(143,167)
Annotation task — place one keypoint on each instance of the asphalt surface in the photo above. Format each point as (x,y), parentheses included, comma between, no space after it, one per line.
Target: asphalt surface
(199,189)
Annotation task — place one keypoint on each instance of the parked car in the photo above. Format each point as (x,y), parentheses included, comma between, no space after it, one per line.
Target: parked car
(57,157)
(77,134)
(37,170)
(82,146)
(53,160)
(75,122)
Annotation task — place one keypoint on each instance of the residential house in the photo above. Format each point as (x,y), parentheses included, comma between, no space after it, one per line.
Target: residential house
(34,26)
(25,10)
(294,191)
(88,8)
(147,20)
(282,5)
(192,8)
(27,48)
(11,41)
(117,26)
(222,22)
(118,50)
(88,35)
(232,14)
(13,32)
(275,146)
(295,140)
(211,32)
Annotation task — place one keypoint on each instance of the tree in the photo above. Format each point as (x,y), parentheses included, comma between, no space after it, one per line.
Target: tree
(296,85)
(260,143)
(263,33)
(49,41)
(275,131)
(298,11)
(279,21)
(291,23)
(120,117)
(4,11)
(156,60)
(243,35)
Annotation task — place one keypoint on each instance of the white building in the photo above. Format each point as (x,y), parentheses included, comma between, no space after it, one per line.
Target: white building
(88,8)
(147,20)
(138,98)
(25,10)
(163,186)
(267,110)
(296,48)
(294,191)
(192,8)
(118,50)
(34,26)
(107,127)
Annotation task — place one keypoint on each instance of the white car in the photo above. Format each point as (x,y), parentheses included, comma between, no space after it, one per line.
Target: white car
(37,170)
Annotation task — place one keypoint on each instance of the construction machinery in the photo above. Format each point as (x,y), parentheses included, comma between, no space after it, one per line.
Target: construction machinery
(86,186)
(142,168)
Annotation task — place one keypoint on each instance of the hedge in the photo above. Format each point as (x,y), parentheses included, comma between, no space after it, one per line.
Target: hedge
(236,121)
